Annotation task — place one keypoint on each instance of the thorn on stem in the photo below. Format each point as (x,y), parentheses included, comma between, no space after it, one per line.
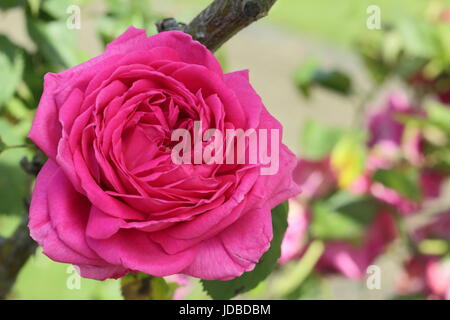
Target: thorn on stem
(169,24)
(251,9)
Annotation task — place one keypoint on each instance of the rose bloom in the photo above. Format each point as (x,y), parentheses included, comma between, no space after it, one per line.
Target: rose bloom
(110,200)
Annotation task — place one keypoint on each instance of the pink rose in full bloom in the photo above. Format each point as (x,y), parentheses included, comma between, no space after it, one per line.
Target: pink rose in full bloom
(110,199)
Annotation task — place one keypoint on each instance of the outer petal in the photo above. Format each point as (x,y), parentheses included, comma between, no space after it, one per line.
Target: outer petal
(39,220)
(46,130)
(42,227)
(250,101)
(236,250)
(133,39)
(102,273)
(134,250)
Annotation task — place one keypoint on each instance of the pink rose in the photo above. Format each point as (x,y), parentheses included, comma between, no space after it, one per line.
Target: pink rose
(110,199)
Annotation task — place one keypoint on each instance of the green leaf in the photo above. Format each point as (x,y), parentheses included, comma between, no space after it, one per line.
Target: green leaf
(371,51)
(443,53)
(436,247)
(142,286)
(11,65)
(440,115)
(412,296)
(418,38)
(35,69)
(2,145)
(334,80)
(13,180)
(8,4)
(221,290)
(121,14)
(58,8)
(404,181)
(304,75)
(343,216)
(55,42)
(309,75)
(318,140)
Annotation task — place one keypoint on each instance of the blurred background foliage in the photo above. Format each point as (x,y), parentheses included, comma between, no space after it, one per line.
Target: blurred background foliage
(411,48)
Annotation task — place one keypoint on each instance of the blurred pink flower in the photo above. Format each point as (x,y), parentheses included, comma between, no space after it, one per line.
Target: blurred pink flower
(185,286)
(383,155)
(444,97)
(445,15)
(390,141)
(431,182)
(352,260)
(438,279)
(428,275)
(412,147)
(316,178)
(388,195)
(438,228)
(383,125)
(294,238)
(387,133)
(361,185)
(412,280)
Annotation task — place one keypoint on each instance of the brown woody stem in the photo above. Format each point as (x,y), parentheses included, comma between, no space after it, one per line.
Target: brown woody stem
(220,21)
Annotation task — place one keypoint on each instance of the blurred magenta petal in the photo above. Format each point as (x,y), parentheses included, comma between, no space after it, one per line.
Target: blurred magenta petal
(431,183)
(383,126)
(316,178)
(392,197)
(184,283)
(437,228)
(428,275)
(294,238)
(353,260)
